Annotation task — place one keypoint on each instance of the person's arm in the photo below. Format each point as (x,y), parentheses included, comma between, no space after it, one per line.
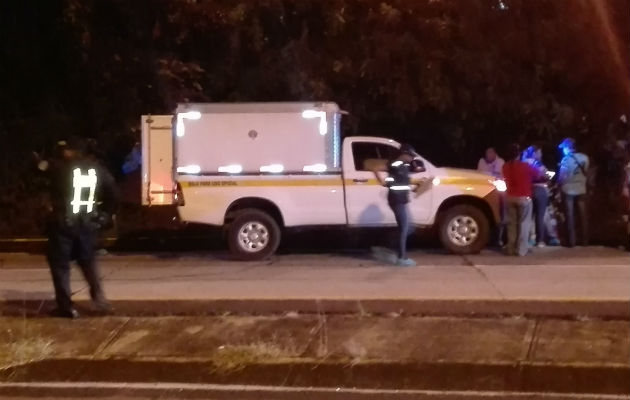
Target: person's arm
(382,181)
(110,197)
(538,176)
(481,166)
(499,172)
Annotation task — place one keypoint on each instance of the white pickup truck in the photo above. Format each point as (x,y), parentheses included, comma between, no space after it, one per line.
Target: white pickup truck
(257,168)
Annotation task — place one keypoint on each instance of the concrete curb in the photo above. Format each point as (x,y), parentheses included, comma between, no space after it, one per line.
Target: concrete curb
(605,309)
(247,392)
(519,377)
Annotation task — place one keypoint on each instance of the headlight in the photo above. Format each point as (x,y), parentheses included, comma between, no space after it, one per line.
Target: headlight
(500,185)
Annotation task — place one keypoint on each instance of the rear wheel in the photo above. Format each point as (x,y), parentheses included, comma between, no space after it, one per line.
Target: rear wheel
(464,229)
(253,235)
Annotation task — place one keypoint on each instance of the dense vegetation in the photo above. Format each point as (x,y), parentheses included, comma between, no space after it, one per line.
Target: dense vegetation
(450,76)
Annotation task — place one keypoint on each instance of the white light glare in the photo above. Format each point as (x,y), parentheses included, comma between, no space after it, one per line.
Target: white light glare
(189,169)
(231,169)
(180,129)
(436,181)
(499,184)
(191,115)
(273,168)
(323,125)
(550,174)
(314,168)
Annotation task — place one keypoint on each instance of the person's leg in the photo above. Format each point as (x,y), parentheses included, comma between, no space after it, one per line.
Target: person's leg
(583,211)
(501,231)
(58,256)
(524,225)
(86,259)
(568,201)
(541,200)
(402,220)
(512,229)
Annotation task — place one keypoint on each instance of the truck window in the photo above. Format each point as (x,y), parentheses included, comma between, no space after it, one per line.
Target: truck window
(362,151)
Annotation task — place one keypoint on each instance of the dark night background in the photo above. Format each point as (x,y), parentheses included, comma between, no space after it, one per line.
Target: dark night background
(449,76)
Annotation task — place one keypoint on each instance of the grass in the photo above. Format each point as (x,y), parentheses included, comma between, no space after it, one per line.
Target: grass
(23,351)
(229,358)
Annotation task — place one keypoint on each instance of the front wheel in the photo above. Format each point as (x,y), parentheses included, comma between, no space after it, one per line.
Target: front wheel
(464,229)
(253,235)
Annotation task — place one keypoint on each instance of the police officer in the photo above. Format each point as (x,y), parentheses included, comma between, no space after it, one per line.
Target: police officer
(400,185)
(83,200)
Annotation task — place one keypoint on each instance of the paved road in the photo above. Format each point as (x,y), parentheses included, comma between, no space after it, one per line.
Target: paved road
(593,274)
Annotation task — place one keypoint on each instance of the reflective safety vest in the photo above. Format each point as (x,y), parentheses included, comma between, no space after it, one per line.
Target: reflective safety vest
(84,191)
(398,182)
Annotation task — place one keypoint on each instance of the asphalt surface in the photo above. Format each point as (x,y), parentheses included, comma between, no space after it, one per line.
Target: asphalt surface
(583,280)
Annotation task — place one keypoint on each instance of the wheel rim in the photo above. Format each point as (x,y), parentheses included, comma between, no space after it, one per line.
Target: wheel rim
(253,237)
(462,230)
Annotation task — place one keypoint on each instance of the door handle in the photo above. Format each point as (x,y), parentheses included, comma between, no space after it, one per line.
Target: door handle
(359,180)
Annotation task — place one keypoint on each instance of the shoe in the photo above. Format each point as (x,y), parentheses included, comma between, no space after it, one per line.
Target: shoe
(384,255)
(103,306)
(70,313)
(554,242)
(405,262)
(541,245)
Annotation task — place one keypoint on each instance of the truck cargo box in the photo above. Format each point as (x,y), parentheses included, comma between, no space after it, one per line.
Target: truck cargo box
(257,138)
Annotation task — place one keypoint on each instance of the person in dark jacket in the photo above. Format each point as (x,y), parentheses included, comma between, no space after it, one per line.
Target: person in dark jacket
(399,186)
(83,199)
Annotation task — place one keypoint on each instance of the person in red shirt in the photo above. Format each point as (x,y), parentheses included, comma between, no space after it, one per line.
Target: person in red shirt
(519,177)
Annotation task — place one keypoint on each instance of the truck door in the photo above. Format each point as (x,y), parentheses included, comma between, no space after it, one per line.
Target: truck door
(366,199)
(158,186)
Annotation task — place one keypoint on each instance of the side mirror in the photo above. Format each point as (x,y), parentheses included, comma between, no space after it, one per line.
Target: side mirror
(417,166)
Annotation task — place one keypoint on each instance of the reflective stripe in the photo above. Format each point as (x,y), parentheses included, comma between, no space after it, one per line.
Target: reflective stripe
(80,182)
(402,187)
(397,163)
(389,179)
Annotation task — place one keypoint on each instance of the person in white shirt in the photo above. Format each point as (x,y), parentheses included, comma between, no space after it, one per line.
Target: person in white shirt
(491,163)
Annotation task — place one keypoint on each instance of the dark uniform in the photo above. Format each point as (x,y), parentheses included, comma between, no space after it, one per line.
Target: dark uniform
(83,200)
(399,186)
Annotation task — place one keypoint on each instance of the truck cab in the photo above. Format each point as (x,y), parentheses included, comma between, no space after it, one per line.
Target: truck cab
(257,168)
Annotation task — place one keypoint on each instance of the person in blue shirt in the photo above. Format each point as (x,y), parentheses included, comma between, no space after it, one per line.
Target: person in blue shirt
(399,186)
(572,179)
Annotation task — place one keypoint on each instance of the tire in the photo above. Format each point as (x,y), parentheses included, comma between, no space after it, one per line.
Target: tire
(475,231)
(247,232)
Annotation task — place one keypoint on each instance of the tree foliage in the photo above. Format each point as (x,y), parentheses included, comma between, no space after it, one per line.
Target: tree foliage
(450,76)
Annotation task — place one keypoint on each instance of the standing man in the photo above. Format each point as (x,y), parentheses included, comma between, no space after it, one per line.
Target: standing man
(83,199)
(533,156)
(491,164)
(519,178)
(572,179)
(400,185)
